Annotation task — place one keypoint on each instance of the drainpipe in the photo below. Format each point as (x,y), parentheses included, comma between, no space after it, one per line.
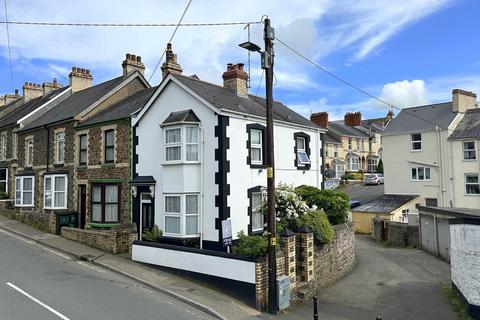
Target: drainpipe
(318,155)
(202,186)
(440,166)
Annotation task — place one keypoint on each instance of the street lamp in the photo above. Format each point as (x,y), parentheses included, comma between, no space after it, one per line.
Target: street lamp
(267,64)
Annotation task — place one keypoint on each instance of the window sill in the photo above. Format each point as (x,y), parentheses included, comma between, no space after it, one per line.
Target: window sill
(472,194)
(24,206)
(258,166)
(82,167)
(102,225)
(108,165)
(180,236)
(469,160)
(58,164)
(420,150)
(59,208)
(173,163)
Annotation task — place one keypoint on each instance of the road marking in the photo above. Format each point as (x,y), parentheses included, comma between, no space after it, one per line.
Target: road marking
(61,316)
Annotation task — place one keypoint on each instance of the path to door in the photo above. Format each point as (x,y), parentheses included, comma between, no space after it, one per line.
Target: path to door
(396,284)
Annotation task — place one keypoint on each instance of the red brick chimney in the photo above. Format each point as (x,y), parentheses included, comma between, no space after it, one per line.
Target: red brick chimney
(320,119)
(235,79)
(353,119)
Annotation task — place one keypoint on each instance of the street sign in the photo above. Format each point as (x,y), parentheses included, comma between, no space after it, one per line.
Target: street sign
(227,232)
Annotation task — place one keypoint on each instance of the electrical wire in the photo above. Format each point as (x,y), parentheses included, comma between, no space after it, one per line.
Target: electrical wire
(8,43)
(256,93)
(356,87)
(171,38)
(86,24)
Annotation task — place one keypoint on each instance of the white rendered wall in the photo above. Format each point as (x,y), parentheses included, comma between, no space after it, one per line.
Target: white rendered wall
(465,260)
(460,168)
(205,264)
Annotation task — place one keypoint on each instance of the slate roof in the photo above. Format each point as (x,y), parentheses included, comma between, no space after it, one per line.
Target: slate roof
(339,127)
(329,138)
(139,180)
(223,98)
(21,110)
(469,126)
(122,109)
(181,116)
(455,212)
(422,118)
(75,104)
(386,203)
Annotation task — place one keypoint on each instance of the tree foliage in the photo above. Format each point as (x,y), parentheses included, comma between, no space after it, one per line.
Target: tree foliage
(380,166)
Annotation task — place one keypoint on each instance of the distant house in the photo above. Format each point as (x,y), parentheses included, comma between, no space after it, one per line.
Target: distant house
(432,151)
(200,156)
(347,142)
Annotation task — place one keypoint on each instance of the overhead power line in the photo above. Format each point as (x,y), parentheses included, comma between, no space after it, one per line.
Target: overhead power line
(356,87)
(171,38)
(87,24)
(8,43)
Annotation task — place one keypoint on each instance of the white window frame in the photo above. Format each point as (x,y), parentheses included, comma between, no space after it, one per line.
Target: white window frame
(53,192)
(303,151)
(3,146)
(19,182)
(182,144)
(417,169)
(350,163)
(60,147)
(335,151)
(472,183)
(465,151)
(372,164)
(6,179)
(256,146)
(357,141)
(28,159)
(415,142)
(255,212)
(182,214)
(196,143)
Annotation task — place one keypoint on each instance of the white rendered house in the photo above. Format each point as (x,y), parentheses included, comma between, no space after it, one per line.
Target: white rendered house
(200,149)
(423,156)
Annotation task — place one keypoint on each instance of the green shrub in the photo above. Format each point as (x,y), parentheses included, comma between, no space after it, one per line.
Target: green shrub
(318,223)
(352,176)
(152,235)
(335,204)
(251,246)
(380,166)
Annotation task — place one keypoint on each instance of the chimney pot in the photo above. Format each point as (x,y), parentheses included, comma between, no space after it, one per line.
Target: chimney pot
(128,56)
(320,119)
(170,65)
(139,59)
(235,79)
(16,92)
(80,78)
(132,63)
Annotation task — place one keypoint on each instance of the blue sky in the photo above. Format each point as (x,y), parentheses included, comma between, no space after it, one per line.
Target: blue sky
(409,52)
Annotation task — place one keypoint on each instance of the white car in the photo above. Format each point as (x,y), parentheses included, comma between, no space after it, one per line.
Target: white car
(373,178)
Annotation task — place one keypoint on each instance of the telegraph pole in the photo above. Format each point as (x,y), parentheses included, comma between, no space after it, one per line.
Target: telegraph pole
(268,35)
(370,138)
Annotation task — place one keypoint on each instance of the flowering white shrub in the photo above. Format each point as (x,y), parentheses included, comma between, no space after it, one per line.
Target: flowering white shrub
(288,204)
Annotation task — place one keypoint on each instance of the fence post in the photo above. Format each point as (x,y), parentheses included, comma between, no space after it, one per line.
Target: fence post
(315,308)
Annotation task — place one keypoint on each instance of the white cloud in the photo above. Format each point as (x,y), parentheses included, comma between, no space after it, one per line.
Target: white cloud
(405,93)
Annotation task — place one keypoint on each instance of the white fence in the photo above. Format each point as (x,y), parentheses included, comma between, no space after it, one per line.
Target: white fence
(206,262)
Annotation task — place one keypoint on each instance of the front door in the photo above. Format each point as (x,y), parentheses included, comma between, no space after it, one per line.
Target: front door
(146,211)
(82,205)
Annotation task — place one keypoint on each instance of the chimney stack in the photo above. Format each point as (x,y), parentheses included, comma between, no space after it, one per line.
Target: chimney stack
(132,63)
(170,65)
(320,119)
(80,79)
(8,97)
(235,79)
(353,119)
(463,100)
(389,115)
(31,91)
(50,86)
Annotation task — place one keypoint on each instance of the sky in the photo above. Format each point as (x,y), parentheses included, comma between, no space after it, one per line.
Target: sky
(408,53)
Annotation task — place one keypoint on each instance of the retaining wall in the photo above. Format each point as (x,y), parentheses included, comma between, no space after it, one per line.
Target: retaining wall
(42,221)
(397,234)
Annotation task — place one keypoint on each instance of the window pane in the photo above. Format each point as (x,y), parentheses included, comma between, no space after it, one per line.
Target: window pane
(192,225)
(257,199)
(27,184)
(414,173)
(173,153)
(18,197)
(109,138)
(255,137)
(60,151)
(256,154)
(27,198)
(427,173)
(3,186)
(59,199)
(60,183)
(111,212)
(416,137)
(472,178)
(172,225)
(173,135)
(192,135)
(421,175)
(3,174)
(97,194)
(257,221)
(83,141)
(83,156)
(48,199)
(172,204)
(191,204)
(192,152)
(300,143)
(303,157)
(96,212)
(18,184)
(48,183)
(473,189)
(469,145)
(111,194)
(109,154)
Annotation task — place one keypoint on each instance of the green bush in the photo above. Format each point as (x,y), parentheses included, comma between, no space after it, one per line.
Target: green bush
(352,176)
(318,223)
(380,166)
(251,246)
(335,204)
(152,235)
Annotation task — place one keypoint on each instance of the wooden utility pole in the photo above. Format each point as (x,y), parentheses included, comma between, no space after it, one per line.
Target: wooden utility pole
(268,35)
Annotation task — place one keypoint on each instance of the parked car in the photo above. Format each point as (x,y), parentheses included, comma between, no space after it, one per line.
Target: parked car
(354,204)
(373,178)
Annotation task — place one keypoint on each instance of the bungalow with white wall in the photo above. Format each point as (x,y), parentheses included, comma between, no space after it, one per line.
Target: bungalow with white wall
(200,156)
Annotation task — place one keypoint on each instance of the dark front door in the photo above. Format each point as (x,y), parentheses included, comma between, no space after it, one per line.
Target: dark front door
(146,211)
(82,205)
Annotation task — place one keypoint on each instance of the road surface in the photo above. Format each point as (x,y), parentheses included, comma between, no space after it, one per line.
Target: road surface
(42,284)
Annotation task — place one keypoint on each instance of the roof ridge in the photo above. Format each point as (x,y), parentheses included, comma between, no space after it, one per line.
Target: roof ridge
(427,105)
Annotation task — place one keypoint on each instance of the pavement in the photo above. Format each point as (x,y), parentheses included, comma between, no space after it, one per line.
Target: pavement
(362,193)
(393,283)
(205,300)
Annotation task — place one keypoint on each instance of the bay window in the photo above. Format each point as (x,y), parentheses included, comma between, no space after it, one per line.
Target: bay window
(105,203)
(55,191)
(24,191)
(191,143)
(181,144)
(353,164)
(181,214)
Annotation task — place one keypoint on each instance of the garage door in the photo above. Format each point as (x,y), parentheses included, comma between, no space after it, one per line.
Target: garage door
(427,234)
(443,229)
